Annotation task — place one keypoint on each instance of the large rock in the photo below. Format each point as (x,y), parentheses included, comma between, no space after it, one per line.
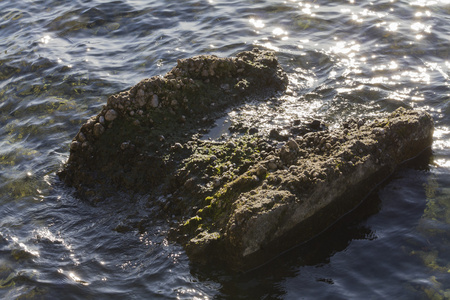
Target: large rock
(245,200)
(289,197)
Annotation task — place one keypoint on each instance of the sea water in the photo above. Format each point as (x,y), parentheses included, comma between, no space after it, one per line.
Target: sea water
(59,61)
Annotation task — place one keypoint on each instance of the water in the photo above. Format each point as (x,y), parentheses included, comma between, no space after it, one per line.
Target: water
(59,62)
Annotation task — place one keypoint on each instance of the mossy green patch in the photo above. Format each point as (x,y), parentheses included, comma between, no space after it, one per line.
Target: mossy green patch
(218,206)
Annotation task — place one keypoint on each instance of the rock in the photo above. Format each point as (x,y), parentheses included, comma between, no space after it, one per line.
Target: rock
(98,129)
(141,101)
(261,171)
(272,165)
(315,124)
(253,130)
(81,137)
(155,101)
(111,115)
(75,145)
(254,197)
(293,146)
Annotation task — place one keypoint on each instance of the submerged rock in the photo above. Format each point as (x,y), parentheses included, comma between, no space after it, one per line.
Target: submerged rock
(245,200)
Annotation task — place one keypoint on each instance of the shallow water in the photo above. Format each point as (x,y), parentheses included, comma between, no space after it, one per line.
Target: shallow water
(59,62)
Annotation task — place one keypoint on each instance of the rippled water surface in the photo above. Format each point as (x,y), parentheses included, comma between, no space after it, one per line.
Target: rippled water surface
(61,59)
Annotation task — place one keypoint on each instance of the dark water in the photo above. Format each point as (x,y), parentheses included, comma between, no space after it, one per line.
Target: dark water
(59,61)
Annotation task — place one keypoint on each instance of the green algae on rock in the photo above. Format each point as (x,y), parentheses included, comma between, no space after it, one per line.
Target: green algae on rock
(127,145)
(292,195)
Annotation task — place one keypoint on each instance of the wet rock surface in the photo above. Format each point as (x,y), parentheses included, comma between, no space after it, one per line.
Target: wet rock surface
(245,199)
